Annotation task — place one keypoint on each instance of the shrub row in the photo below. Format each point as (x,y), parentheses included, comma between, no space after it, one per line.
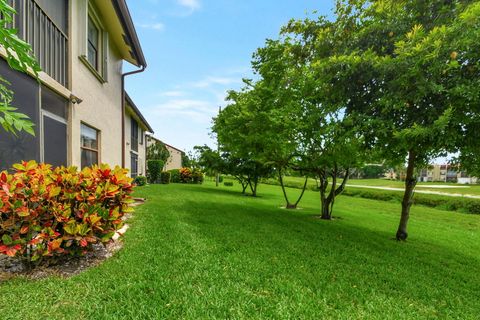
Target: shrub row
(466,205)
(47,212)
(140,181)
(186,175)
(461,204)
(289,184)
(154,169)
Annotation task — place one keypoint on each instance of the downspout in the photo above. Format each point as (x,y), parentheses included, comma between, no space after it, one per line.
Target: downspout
(123,108)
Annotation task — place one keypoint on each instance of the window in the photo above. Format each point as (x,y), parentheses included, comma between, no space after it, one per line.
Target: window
(134,135)
(133,164)
(89,145)
(141,136)
(93,44)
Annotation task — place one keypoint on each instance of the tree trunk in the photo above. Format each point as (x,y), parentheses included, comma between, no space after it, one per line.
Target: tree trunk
(244,187)
(255,184)
(243,183)
(344,183)
(410,183)
(301,194)
(288,205)
(323,198)
(329,201)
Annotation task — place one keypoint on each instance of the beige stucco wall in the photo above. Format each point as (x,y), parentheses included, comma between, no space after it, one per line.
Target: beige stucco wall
(101,107)
(175,159)
(141,146)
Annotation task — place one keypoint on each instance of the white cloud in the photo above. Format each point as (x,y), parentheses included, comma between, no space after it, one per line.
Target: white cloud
(173,93)
(210,81)
(200,111)
(158,26)
(190,5)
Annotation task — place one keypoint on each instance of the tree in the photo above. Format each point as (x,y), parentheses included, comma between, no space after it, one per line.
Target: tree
(399,78)
(373,171)
(277,108)
(188,160)
(157,151)
(209,160)
(327,143)
(238,136)
(465,39)
(19,57)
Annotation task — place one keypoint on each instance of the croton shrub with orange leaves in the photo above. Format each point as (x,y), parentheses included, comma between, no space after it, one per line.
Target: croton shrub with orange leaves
(185,175)
(47,212)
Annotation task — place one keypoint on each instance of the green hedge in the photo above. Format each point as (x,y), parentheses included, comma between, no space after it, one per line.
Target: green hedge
(165,177)
(140,180)
(197,176)
(154,167)
(289,184)
(174,175)
(460,204)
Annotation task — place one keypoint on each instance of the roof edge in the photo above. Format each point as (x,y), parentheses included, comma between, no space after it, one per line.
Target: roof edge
(130,32)
(137,112)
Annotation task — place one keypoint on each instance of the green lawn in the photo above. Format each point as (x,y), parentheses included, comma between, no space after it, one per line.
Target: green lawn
(198,252)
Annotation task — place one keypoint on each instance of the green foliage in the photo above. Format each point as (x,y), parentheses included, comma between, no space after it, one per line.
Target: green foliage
(220,237)
(19,57)
(228,184)
(187,161)
(47,212)
(372,171)
(197,176)
(154,167)
(157,151)
(140,180)
(165,177)
(209,160)
(460,204)
(174,175)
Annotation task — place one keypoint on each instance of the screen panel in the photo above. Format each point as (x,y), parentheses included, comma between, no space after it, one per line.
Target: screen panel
(55,142)
(26,99)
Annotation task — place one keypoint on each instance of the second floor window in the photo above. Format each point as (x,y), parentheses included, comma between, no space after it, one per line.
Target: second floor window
(93,43)
(94,51)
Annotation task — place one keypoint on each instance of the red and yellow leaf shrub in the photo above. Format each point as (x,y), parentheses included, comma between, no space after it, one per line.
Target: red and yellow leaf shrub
(185,175)
(48,212)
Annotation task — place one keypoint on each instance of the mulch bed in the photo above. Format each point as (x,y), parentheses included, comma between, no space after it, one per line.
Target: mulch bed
(64,267)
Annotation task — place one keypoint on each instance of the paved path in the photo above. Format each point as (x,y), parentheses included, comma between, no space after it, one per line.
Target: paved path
(460,195)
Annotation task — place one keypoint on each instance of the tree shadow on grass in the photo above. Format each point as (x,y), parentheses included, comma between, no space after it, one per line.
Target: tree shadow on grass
(367,257)
(212,190)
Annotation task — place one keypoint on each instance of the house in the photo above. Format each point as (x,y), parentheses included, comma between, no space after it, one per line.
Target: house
(78,106)
(136,145)
(445,173)
(174,160)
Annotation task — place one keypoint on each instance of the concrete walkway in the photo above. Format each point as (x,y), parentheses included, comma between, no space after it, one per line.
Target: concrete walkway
(459,195)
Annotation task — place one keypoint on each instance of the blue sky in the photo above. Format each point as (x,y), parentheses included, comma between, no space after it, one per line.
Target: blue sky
(196,50)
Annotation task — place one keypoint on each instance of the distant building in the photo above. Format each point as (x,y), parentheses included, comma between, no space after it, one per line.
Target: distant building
(174,161)
(445,173)
(135,145)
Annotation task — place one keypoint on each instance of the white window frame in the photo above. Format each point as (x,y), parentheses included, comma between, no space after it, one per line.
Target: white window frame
(100,72)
